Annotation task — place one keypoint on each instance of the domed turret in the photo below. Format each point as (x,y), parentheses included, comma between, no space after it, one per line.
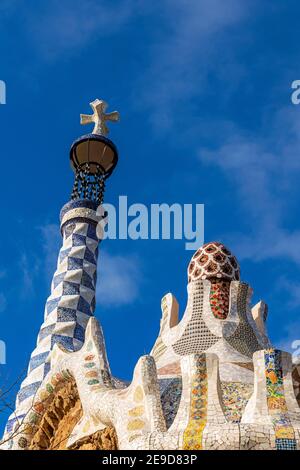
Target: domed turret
(213,261)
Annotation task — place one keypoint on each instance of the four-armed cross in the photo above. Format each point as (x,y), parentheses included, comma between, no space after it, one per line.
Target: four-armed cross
(99,117)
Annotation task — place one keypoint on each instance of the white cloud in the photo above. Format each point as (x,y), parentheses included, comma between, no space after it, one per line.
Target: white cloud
(119,276)
(51,243)
(291,289)
(29,268)
(264,173)
(193,42)
(59,27)
(291,335)
(119,280)
(40,264)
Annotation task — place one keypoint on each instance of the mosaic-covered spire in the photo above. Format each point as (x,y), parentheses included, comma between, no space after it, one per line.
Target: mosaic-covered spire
(71,302)
(72,299)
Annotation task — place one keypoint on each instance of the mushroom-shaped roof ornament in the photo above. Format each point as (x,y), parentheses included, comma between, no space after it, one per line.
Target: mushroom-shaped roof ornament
(213,261)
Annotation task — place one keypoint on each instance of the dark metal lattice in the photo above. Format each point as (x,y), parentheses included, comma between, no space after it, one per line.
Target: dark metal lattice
(89,185)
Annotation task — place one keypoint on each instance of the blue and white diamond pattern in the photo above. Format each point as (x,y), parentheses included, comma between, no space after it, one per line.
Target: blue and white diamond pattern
(70,304)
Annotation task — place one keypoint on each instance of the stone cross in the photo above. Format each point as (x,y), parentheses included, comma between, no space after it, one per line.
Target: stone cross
(99,117)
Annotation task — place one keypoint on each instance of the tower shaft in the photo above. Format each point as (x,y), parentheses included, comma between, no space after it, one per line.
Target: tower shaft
(71,302)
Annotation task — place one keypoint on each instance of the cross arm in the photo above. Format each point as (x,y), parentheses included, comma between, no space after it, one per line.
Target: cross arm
(114,116)
(86,119)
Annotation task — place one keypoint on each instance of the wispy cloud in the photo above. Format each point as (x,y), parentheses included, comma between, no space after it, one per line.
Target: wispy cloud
(119,280)
(290,289)
(39,264)
(291,339)
(262,171)
(287,289)
(193,43)
(60,27)
(51,242)
(29,268)
(119,276)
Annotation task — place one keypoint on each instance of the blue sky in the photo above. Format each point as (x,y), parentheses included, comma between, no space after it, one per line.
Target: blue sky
(204,92)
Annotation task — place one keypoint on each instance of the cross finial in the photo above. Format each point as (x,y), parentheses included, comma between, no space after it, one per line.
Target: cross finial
(99,117)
